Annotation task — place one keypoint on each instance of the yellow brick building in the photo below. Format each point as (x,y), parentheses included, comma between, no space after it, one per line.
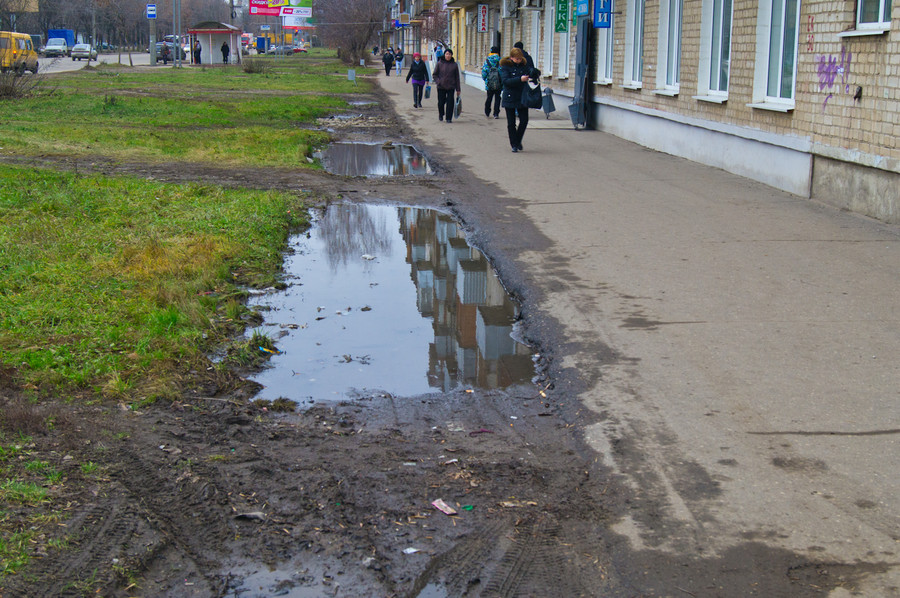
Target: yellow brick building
(803,95)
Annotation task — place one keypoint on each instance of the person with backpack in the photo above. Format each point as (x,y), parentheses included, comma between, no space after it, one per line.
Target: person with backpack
(490,72)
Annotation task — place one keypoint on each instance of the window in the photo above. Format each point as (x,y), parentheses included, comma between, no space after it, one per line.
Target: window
(873,14)
(535,36)
(634,44)
(776,54)
(605,52)
(715,51)
(668,74)
(563,55)
(720,48)
(549,23)
(783,49)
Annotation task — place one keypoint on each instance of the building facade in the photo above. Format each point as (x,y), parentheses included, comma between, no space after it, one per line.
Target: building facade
(803,95)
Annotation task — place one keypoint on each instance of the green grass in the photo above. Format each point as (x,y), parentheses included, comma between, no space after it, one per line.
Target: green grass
(219,116)
(106,282)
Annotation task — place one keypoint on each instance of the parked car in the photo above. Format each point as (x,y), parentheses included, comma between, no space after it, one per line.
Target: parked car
(56,46)
(280,50)
(84,51)
(171,46)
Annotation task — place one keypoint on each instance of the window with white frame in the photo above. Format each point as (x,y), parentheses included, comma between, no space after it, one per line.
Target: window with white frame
(873,14)
(535,36)
(605,52)
(783,49)
(549,24)
(563,55)
(668,74)
(634,44)
(715,50)
(775,75)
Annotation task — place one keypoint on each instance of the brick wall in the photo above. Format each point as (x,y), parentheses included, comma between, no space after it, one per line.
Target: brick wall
(830,70)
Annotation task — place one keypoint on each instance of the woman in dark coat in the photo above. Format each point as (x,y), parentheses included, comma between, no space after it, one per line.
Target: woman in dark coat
(446,79)
(388,59)
(514,74)
(418,72)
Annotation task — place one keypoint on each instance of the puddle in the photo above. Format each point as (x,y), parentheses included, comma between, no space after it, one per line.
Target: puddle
(362,102)
(373,159)
(389,299)
(314,581)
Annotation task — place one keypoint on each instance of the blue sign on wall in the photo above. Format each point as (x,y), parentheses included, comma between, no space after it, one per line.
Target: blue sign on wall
(602,14)
(582,8)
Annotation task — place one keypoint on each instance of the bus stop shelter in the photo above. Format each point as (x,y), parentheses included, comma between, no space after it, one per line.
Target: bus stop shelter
(211,35)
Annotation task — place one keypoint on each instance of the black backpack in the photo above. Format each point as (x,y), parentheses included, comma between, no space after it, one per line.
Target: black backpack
(493,79)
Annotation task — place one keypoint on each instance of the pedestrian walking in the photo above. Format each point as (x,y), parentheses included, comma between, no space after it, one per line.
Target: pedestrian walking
(388,59)
(514,73)
(490,72)
(166,53)
(418,73)
(438,52)
(529,61)
(225,52)
(197,50)
(398,59)
(446,78)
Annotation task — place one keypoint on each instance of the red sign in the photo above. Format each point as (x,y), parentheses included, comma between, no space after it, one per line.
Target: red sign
(261,7)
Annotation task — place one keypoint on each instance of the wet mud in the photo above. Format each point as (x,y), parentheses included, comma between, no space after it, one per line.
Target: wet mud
(214,495)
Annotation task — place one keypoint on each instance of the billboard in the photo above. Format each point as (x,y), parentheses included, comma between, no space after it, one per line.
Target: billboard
(262,8)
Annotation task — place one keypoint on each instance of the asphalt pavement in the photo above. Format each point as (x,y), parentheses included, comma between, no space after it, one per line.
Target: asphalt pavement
(740,346)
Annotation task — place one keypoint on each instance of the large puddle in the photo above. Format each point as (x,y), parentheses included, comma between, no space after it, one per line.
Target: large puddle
(388,299)
(373,159)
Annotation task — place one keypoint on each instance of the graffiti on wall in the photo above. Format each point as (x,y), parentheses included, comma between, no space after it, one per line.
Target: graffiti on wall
(834,74)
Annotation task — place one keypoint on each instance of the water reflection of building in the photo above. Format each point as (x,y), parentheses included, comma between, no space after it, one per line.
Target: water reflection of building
(470,310)
(367,159)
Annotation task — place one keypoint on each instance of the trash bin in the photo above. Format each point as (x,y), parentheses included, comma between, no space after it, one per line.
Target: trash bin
(547,104)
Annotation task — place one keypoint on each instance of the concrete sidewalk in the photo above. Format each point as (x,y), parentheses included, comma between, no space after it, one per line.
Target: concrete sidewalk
(755,388)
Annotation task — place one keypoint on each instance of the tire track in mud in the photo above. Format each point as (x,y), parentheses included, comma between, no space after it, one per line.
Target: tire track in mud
(518,559)
(182,503)
(166,526)
(538,562)
(93,529)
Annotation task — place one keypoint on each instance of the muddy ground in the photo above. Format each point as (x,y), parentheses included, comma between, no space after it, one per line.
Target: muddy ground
(213,496)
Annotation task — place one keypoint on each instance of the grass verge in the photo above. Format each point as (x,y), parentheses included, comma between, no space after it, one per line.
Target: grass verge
(213,115)
(110,282)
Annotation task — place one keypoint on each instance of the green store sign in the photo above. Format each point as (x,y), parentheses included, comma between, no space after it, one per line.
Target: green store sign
(562,16)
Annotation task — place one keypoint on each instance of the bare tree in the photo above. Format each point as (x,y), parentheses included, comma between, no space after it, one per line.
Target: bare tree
(435,26)
(349,27)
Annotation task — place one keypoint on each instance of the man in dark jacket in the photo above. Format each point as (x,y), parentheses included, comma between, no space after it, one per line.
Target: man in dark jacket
(446,79)
(514,73)
(388,59)
(418,72)
(226,51)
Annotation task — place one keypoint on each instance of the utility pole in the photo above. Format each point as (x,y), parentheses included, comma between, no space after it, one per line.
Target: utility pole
(93,29)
